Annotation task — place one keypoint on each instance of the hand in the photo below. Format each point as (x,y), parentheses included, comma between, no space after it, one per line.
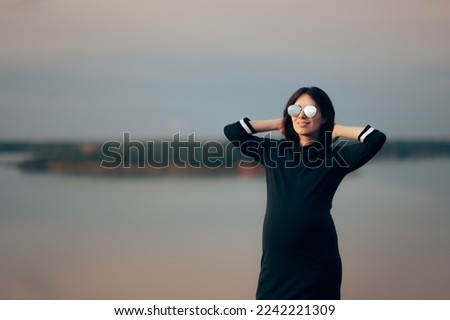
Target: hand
(282,126)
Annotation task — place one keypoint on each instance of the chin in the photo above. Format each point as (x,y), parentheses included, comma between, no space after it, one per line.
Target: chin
(306,131)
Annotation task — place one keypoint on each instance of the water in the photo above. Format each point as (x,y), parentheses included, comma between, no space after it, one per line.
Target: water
(85,237)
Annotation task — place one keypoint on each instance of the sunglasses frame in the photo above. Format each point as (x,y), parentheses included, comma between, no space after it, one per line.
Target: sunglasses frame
(309,110)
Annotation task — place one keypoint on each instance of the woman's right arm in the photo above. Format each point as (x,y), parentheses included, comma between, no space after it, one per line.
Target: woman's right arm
(267,125)
(245,128)
(241,135)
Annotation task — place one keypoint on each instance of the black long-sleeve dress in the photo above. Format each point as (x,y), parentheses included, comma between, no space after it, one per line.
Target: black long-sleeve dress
(300,257)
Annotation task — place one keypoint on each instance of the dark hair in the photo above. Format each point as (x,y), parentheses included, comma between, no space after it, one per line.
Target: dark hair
(325,106)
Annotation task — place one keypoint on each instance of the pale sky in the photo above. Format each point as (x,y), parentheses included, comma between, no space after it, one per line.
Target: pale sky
(95,69)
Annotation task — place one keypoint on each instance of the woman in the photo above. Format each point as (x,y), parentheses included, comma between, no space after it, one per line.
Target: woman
(300,257)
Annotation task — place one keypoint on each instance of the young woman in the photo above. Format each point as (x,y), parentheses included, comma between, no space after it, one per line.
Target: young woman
(300,257)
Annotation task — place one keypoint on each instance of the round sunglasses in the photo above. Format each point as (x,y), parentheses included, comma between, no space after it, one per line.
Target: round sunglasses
(294,110)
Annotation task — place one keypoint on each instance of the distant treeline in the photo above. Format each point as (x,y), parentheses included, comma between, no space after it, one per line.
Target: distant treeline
(173,156)
(79,150)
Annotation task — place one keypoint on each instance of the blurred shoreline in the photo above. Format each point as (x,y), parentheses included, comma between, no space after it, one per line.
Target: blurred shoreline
(190,158)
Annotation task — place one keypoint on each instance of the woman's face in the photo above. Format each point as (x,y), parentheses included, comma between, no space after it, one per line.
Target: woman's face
(303,125)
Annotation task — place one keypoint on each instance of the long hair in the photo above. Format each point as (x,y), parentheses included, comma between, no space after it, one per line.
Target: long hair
(325,106)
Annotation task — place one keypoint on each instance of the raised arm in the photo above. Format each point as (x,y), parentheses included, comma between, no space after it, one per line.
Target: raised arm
(244,129)
(356,155)
(267,125)
(241,135)
(340,131)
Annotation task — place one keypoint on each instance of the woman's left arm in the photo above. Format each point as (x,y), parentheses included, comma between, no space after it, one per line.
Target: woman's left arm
(358,154)
(340,131)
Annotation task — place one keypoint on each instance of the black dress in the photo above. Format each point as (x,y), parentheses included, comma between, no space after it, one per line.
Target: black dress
(300,257)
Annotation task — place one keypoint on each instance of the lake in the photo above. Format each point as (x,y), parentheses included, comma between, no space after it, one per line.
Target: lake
(89,237)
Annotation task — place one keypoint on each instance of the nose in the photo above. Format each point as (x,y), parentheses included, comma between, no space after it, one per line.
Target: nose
(302,114)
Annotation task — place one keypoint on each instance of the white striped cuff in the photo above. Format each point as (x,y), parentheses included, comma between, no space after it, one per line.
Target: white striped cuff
(365,133)
(245,123)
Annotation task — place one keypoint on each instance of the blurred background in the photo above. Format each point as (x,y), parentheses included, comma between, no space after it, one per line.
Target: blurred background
(76,75)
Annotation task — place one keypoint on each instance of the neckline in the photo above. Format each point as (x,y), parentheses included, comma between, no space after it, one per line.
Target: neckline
(316,144)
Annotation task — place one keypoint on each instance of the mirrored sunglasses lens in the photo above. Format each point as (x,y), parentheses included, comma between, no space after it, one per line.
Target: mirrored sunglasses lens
(310,111)
(294,110)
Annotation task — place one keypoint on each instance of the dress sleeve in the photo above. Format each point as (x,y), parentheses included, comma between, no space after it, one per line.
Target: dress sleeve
(356,155)
(241,136)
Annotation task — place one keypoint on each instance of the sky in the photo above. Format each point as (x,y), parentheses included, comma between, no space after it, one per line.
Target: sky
(96,69)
